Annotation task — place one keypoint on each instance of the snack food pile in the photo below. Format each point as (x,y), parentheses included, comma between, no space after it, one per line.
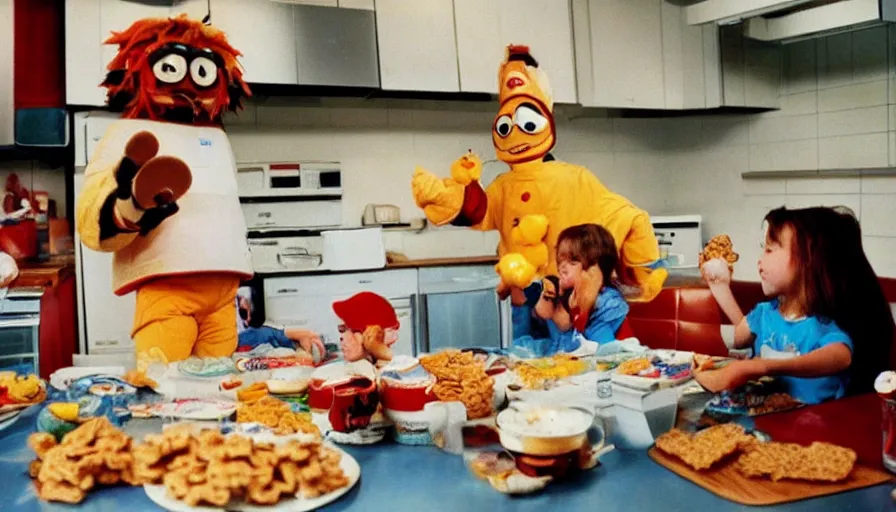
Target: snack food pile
(94,453)
(460,377)
(277,415)
(537,373)
(210,468)
(818,462)
(207,467)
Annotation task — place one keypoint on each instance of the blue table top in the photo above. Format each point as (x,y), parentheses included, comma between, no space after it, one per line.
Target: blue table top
(407,478)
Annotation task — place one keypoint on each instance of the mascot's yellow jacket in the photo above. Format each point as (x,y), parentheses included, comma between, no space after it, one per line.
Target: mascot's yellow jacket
(536,200)
(161,192)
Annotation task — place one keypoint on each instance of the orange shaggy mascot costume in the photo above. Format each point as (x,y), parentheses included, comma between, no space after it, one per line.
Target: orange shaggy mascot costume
(161,190)
(536,200)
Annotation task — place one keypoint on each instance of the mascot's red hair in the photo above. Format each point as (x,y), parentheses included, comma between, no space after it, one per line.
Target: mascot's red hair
(174,69)
(160,189)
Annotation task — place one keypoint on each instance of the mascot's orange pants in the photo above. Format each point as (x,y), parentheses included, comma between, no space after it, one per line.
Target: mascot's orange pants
(181,316)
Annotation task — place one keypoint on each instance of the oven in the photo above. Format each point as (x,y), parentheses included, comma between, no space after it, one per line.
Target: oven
(20,329)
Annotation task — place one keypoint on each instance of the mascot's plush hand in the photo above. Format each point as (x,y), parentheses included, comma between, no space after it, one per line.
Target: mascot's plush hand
(515,270)
(149,185)
(441,200)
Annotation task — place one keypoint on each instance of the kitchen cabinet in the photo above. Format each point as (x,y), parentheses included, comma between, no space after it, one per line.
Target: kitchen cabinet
(644,55)
(356,4)
(417,46)
(7,112)
(484,29)
(268,42)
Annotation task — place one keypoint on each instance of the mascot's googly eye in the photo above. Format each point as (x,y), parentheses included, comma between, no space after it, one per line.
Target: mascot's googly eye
(170,69)
(529,120)
(503,126)
(203,71)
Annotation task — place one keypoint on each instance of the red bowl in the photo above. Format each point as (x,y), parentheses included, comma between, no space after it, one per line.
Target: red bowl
(404,398)
(320,395)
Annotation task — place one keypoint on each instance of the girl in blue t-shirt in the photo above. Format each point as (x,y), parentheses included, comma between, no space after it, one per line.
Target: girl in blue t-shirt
(828,329)
(581,302)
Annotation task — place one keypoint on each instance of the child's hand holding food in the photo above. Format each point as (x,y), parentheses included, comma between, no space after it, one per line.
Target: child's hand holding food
(734,375)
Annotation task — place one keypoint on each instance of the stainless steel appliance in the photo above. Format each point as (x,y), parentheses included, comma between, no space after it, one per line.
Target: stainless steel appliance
(458,307)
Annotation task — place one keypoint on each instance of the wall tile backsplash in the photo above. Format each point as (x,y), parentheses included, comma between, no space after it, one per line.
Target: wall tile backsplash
(838,110)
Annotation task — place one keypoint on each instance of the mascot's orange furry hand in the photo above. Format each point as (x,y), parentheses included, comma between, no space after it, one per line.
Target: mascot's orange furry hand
(148,185)
(441,200)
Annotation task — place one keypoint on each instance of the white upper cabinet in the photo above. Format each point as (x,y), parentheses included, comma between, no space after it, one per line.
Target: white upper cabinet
(266,38)
(484,29)
(417,47)
(7,111)
(644,55)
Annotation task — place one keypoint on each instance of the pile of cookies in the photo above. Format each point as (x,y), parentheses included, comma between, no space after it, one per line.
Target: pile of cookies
(461,378)
(94,453)
(277,415)
(818,462)
(203,467)
(210,468)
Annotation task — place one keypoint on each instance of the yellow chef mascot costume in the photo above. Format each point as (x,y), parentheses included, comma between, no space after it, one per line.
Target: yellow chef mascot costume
(160,190)
(534,202)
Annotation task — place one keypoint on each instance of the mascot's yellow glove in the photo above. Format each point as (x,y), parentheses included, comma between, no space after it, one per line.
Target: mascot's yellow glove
(441,200)
(515,270)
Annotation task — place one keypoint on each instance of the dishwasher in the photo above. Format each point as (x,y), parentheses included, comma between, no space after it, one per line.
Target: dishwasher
(457,307)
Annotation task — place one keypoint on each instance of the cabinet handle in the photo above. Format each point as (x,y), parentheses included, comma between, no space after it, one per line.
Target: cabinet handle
(364,281)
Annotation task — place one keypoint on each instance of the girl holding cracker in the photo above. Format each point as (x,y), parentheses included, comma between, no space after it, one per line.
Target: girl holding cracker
(827,330)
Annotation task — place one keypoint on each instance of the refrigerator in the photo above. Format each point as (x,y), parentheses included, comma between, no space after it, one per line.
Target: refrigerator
(104,319)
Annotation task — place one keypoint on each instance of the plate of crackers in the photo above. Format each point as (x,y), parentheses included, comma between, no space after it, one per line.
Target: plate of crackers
(244,475)
(721,445)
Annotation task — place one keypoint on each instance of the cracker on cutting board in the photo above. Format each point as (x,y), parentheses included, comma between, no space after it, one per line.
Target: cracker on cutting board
(705,448)
(819,461)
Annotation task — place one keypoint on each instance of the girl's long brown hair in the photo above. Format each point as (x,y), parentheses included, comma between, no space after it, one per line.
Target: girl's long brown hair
(835,281)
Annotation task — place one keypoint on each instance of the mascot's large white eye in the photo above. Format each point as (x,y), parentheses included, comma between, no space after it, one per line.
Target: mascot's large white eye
(203,71)
(171,68)
(529,120)
(503,125)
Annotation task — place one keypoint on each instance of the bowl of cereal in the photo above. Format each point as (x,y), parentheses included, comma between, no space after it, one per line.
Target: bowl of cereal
(547,430)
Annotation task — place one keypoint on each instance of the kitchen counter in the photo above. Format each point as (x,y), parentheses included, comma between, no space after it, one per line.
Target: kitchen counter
(444,262)
(45,274)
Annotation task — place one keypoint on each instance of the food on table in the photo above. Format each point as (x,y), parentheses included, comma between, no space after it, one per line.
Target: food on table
(703,363)
(249,364)
(252,392)
(94,453)
(633,366)
(885,385)
(287,387)
(228,384)
(773,403)
(459,377)
(488,464)
(138,379)
(276,415)
(21,389)
(536,373)
(762,396)
(817,462)
(720,247)
(702,450)
(210,468)
(67,411)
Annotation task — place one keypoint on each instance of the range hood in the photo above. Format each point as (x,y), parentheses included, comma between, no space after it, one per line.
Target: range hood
(727,12)
(822,20)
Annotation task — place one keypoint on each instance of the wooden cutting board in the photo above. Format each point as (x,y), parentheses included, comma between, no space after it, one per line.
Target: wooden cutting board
(727,482)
